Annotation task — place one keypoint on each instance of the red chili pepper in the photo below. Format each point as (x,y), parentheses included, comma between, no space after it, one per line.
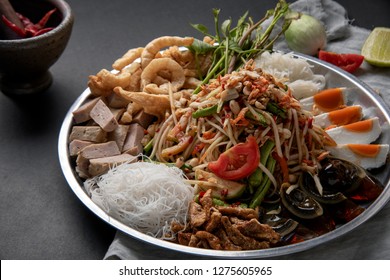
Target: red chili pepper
(25,20)
(42,31)
(30,29)
(310,122)
(224,192)
(201,194)
(13,27)
(45,19)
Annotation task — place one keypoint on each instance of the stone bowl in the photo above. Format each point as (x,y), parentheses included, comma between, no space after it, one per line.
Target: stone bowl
(25,63)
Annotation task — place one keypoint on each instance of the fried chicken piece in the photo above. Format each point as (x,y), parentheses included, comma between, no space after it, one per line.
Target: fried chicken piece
(203,244)
(247,243)
(244,213)
(184,238)
(197,215)
(212,240)
(193,241)
(177,227)
(253,228)
(207,202)
(214,221)
(225,241)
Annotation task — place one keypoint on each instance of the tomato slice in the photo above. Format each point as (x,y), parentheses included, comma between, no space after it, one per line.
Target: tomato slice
(238,162)
(346,61)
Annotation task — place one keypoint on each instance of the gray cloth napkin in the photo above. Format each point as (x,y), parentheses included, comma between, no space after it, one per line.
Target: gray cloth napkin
(370,240)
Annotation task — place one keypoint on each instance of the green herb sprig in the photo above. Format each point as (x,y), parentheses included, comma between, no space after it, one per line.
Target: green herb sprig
(236,45)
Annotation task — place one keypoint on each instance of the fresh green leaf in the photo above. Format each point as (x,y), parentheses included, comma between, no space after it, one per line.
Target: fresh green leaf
(200,47)
(225,27)
(202,28)
(241,42)
(242,19)
(216,12)
(233,46)
(216,23)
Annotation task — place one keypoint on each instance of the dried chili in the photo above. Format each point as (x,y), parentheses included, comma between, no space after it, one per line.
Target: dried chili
(30,29)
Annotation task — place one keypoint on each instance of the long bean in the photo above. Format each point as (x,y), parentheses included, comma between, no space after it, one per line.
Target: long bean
(266,183)
(257,177)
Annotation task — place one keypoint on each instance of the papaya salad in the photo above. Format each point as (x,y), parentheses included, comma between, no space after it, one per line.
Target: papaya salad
(224,144)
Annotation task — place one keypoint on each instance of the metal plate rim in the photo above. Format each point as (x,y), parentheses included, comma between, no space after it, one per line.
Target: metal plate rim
(77,188)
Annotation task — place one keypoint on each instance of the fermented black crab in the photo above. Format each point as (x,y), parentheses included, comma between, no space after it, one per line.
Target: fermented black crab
(340,180)
(305,212)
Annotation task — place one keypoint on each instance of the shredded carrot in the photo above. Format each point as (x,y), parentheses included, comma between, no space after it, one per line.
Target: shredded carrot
(323,155)
(283,165)
(208,135)
(198,148)
(288,101)
(240,119)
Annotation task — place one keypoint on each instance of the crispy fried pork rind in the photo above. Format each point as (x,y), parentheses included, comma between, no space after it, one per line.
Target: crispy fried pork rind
(153,104)
(129,57)
(160,72)
(161,66)
(104,81)
(154,47)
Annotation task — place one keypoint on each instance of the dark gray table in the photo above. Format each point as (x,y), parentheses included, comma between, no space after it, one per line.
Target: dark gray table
(40,217)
